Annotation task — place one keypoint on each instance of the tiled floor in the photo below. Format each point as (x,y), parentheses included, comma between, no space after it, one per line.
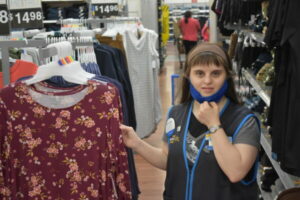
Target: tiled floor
(151,179)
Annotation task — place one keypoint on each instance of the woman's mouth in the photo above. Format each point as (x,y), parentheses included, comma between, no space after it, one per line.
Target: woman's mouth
(207,89)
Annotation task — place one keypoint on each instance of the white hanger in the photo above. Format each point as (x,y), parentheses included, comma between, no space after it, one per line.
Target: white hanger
(71,72)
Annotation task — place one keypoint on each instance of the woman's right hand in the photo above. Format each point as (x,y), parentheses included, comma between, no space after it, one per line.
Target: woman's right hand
(155,156)
(130,138)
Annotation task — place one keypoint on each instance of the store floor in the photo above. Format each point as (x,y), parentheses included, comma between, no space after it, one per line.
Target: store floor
(151,179)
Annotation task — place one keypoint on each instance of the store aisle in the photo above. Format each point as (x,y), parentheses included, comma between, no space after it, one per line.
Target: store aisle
(151,179)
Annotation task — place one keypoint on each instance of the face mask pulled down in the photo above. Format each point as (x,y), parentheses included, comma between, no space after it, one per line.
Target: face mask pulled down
(216,97)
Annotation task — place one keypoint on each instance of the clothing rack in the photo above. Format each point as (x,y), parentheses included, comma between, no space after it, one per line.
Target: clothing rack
(52,51)
(81,44)
(6,45)
(90,20)
(47,52)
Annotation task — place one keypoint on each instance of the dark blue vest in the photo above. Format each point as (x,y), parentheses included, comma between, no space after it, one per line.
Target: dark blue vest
(205,180)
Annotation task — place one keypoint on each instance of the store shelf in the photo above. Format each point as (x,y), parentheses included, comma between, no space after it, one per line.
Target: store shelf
(264,194)
(49,21)
(287,180)
(262,90)
(258,37)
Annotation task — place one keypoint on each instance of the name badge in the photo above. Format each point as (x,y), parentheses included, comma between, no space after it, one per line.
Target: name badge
(170,127)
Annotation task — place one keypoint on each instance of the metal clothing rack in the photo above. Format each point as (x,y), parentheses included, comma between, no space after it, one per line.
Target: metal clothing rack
(92,20)
(52,51)
(6,45)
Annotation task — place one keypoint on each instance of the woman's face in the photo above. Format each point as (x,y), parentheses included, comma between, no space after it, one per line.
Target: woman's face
(207,79)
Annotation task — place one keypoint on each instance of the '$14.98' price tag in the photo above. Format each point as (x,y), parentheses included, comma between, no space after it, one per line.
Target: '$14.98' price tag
(26,18)
(106,10)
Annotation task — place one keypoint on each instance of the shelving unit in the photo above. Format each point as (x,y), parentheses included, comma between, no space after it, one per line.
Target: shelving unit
(262,90)
(264,194)
(288,181)
(285,180)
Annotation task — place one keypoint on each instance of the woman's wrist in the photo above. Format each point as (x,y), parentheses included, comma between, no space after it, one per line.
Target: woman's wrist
(213,123)
(138,144)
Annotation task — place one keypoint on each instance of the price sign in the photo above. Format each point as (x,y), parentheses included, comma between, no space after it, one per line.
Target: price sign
(105,10)
(26,18)
(4,20)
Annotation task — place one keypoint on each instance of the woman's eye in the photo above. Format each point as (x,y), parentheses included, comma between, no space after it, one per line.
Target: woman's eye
(216,73)
(199,73)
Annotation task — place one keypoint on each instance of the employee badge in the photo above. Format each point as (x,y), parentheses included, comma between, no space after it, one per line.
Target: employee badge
(170,130)
(170,127)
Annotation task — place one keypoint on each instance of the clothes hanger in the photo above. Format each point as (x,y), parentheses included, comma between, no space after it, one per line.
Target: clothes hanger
(66,67)
(140,29)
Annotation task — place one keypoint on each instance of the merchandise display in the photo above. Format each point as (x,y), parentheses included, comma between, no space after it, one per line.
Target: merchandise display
(260,67)
(107,60)
(95,105)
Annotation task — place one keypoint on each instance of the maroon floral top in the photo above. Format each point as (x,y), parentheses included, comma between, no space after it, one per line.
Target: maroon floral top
(72,153)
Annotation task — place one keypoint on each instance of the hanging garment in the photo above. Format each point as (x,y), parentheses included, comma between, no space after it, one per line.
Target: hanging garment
(117,42)
(58,81)
(34,53)
(20,69)
(285,108)
(112,64)
(156,68)
(139,55)
(125,91)
(233,44)
(94,68)
(64,145)
(165,24)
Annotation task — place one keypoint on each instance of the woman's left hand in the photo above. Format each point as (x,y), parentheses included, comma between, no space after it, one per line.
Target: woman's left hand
(209,114)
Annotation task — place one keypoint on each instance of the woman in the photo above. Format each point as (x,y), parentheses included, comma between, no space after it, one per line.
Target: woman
(190,30)
(211,142)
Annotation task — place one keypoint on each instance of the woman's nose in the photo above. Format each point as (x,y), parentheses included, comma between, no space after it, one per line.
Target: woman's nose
(207,79)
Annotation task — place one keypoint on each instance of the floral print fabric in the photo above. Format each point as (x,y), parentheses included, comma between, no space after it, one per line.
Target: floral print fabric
(74,153)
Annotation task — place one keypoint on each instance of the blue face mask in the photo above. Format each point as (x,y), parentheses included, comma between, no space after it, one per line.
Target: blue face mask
(215,97)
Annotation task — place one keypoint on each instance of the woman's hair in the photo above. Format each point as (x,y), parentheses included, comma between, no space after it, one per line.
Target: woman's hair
(208,54)
(187,15)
